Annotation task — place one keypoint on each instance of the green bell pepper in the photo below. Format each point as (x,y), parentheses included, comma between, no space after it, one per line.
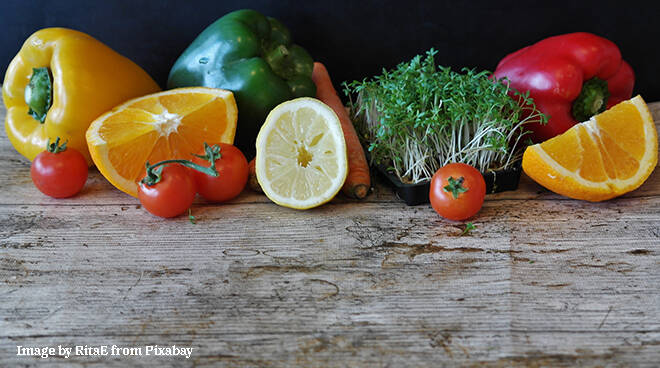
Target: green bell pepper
(251,55)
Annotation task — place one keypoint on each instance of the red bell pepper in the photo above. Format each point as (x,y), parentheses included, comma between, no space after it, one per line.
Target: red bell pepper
(571,77)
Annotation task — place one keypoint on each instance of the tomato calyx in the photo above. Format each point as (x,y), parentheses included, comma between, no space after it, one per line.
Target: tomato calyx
(155,171)
(211,154)
(455,186)
(55,147)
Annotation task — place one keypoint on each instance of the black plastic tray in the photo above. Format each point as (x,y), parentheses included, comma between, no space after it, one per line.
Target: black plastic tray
(414,194)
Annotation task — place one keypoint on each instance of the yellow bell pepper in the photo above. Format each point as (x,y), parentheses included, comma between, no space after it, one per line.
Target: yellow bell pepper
(59,82)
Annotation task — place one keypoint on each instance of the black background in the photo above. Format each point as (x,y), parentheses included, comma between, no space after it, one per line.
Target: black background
(355,39)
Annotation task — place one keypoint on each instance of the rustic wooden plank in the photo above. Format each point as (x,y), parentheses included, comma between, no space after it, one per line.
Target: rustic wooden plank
(361,282)
(541,282)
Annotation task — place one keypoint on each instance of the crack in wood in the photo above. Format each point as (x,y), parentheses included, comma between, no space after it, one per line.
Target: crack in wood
(415,250)
(132,286)
(257,271)
(604,318)
(326,282)
(27,245)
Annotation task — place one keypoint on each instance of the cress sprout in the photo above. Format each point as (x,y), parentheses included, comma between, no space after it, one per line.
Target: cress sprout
(419,117)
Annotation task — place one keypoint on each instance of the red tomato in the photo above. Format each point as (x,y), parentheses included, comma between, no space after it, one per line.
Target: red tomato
(172,195)
(232,168)
(60,174)
(457,191)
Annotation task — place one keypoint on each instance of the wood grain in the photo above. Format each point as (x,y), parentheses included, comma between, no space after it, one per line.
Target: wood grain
(543,281)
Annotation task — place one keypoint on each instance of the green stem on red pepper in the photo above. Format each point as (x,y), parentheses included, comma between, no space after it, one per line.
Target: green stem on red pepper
(154,172)
(592,99)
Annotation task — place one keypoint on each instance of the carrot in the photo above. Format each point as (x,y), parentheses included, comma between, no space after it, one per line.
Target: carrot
(358,181)
(253,183)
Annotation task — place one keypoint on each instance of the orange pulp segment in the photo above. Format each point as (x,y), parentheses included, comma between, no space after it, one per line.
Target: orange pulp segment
(612,153)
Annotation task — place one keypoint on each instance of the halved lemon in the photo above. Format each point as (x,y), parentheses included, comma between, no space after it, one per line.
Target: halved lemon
(612,153)
(301,154)
(156,127)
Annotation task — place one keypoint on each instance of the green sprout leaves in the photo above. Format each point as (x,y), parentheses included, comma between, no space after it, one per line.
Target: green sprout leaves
(419,117)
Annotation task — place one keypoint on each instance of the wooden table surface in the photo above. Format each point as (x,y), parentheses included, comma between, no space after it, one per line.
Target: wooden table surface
(544,281)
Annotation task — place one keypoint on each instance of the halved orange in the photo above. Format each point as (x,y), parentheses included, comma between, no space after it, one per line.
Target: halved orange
(165,125)
(612,153)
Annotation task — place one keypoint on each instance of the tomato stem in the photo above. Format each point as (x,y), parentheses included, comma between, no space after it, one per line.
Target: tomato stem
(211,154)
(455,186)
(55,146)
(155,171)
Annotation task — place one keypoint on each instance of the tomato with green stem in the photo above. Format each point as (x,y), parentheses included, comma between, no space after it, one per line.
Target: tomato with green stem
(59,172)
(457,191)
(168,188)
(172,195)
(232,168)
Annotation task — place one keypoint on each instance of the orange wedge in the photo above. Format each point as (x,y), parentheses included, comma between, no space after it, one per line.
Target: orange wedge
(156,127)
(611,154)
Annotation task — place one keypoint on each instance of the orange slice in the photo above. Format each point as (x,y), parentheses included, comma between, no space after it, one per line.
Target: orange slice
(156,127)
(610,154)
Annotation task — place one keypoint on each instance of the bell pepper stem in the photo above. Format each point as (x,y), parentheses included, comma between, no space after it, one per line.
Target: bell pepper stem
(592,99)
(155,172)
(279,60)
(39,93)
